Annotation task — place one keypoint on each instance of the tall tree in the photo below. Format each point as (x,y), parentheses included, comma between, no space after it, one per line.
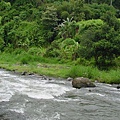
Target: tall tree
(49,21)
(77,6)
(106,49)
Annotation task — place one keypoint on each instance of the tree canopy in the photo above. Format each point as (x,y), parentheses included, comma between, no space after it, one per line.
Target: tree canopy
(68,29)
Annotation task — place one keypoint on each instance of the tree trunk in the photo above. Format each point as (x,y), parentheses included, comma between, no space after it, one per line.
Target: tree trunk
(110,2)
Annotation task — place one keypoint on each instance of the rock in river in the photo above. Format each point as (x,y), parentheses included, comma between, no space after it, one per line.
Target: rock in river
(82,82)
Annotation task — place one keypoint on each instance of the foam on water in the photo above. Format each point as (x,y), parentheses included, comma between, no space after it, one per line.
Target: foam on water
(33,88)
(5,97)
(98,94)
(20,110)
(56,116)
(45,92)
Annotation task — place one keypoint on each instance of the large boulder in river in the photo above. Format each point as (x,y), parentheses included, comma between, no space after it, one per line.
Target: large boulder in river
(82,82)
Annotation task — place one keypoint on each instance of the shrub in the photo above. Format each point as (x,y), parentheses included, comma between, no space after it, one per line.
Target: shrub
(1,43)
(25,58)
(84,25)
(68,49)
(52,52)
(64,14)
(18,51)
(83,61)
(34,51)
(84,71)
(110,77)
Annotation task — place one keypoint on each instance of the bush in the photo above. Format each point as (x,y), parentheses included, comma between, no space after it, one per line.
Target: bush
(36,51)
(83,61)
(18,51)
(68,49)
(110,77)
(1,44)
(52,52)
(54,49)
(84,71)
(25,58)
(65,15)
(84,25)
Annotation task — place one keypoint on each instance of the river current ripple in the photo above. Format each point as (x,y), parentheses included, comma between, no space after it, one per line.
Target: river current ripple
(34,98)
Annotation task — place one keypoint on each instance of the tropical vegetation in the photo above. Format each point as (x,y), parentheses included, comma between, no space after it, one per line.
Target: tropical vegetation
(70,37)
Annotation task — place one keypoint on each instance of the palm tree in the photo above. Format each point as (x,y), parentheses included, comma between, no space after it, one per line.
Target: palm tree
(67,28)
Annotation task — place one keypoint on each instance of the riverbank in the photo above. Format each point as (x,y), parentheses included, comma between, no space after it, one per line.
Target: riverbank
(55,68)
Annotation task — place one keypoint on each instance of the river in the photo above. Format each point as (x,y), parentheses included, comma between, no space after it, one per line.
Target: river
(32,97)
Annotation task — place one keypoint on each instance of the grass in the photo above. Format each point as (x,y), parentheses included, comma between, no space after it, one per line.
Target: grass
(84,71)
(53,67)
(0,19)
(112,76)
(32,63)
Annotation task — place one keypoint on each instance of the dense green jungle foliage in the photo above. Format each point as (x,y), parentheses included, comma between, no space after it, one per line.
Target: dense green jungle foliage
(84,31)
